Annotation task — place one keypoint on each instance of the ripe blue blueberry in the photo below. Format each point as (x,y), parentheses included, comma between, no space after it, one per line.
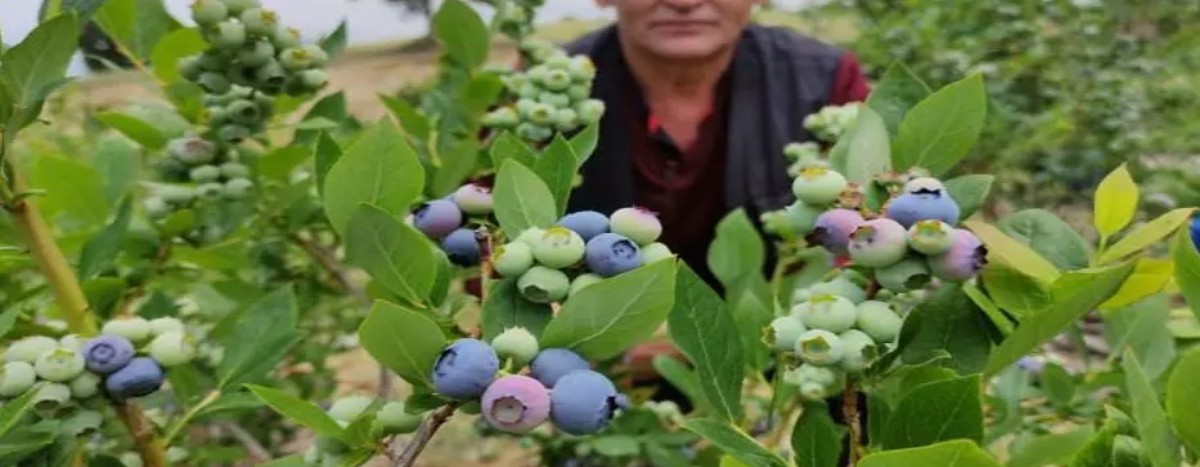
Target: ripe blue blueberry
(583,402)
(465,369)
(516,404)
(638,224)
(908,274)
(1195,231)
(587,224)
(785,331)
(930,237)
(965,258)
(107,353)
(819,347)
(610,254)
(28,349)
(878,243)
(923,198)
(473,199)
(818,186)
(829,312)
(879,321)
(541,284)
(833,228)
(461,247)
(140,377)
(550,365)
(437,218)
(655,252)
(581,281)
(558,248)
(16,378)
(860,352)
(517,344)
(512,259)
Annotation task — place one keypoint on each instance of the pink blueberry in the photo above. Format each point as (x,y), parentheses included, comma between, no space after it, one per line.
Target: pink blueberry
(516,404)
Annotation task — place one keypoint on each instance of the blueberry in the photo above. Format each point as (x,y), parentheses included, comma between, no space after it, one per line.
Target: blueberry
(256,53)
(512,259)
(51,396)
(829,312)
(610,254)
(931,237)
(516,343)
(72,341)
(259,22)
(579,93)
(908,274)
(210,190)
(243,111)
(107,353)
(229,35)
(840,286)
(530,236)
(818,186)
(191,150)
(785,331)
(437,218)
(28,349)
(465,369)
(236,188)
(923,198)
(820,347)
(59,365)
(964,259)
(541,114)
(173,348)
(815,383)
(236,7)
(461,247)
(566,119)
(801,218)
(233,133)
(879,321)
(1195,231)
(559,248)
(204,173)
(638,224)
(393,419)
(878,243)
(349,408)
(582,69)
(15,378)
(295,59)
(583,402)
(85,385)
(140,377)
(550,365)
(590,111)
(541,284)
(581,281)
(156,207)
(656,252)
(516,404)
(860,350)
(833,228)
(284,38)
(313,80)
(587,224)
(271,75)
(320,58)
(504,117)
(213,82)
(209,12)
(473,199)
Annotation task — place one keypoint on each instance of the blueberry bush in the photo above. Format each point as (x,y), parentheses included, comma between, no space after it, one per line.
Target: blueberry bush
(176,276)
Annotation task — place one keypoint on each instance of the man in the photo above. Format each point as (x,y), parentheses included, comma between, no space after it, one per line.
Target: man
(700,103)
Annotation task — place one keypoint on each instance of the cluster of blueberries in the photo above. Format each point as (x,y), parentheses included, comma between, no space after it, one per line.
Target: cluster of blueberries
(552,95)
(831,122)
(390,418)
(560,386)
(77,368)
(196,170)
(514,18)
(445,221)
(586,244)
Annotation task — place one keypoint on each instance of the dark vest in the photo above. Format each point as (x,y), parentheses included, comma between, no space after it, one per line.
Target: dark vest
(779,78)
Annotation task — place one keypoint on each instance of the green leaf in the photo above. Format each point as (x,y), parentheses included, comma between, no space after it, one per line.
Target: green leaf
(1153,428)
(605,318)
(378,169)
(137,25)
(1014,292)
(103,293)
(281,162)
(937,411)
(735,443)
(14,410)
(956,453)
(895,94)
(100,251)
(1150,276)
(522,200)
(703,328)
(296,460)
(1142,327)
(318,123)
(753,307)
(1098,450)
(616,445)
(1058,385)
(682,378)
(1187,269)
(335,42)
(1146,235)
(507,146)
(403,340)
(947,322)
(1050,449)
(333,108)
(82,8)
(1003,324)
(1048,235)
(458,163)
(816,440)
(116,162)
(1116,202)
(1074,294)
(73,191)
(144,133)
(940,130)
(298,410)
(869,152)
(264,333)
(506,308)
(396,255)
(556,167)
(585,142)
(39,61)
(8,319)
(177,44)
(463,34)
(970,192)
(737,250)
(411,120)
(1008,251)
(325,155)
(1183,389)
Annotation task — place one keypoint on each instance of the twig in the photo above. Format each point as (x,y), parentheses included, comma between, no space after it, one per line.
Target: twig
(255,449)
(149,446)
(850,412)
(182,422)
(423,435)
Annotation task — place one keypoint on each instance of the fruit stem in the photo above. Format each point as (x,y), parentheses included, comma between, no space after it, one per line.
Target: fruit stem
(150,447)
(850,412)
(424,434)
(182,422)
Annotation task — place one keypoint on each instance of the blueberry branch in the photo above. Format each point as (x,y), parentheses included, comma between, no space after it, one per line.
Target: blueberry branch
(150,447)
(423,435)
(853,422)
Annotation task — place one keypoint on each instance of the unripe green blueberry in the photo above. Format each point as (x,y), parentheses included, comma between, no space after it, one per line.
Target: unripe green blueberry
(529,91)
(218,116)
(636,223)
(531,236)
(176,455)
(557,80)
(313,79)
(392,419)
(213,82)
(655,252)
(538,74)
(233,133)
(542,114)
(558,248)
(815,383)
(236,7)
(59,365)
(256,53)
(234,170)
(818,186)
(209,12)
(204,173)
(136,329)
(513,82)
(802,217)
(878,243)
(236,188)
(229,35)
(84,386)
(214,60)
(243,75)
(541,284)
(28,349)
(931,237)
(860,350)
(533,132)
(319,57)
(210,190)
(16,377)
(177,195)
(590,111)
(348,409)
(504,117)
(554,99)
(173,348)
(512,259)
(565,119)
(908,274)
(819,347)
(131,459)
(581,281)
(829,312)
(285,38)
(259,22)
(801,295)
(271,75)
(579,93)
(516,343)
(581,69)
(72,341)
(785,332)
(189,67)
(159,326)
(524,107)
(51,396)
(879,321)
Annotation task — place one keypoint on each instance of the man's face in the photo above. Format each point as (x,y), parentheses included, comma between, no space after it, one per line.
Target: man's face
(682,29)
